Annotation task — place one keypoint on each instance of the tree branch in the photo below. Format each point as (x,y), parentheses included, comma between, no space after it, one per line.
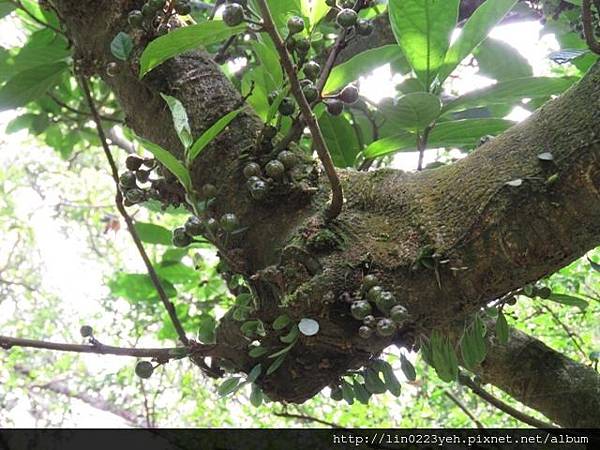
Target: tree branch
(307,418)
(463,408)
(337,200)
(588,26)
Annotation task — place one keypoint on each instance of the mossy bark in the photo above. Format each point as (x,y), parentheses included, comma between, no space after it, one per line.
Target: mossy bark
(490,237)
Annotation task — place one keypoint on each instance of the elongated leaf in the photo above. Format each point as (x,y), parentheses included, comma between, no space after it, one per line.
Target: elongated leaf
(291,336)
(269,59)
(456,133)
(511,91)
(498,60)
(569,300)
(413,111)
(29,85)
(257,352)
(153,234)
(180,120)
(281,322)
(283,351)
(373,382)
(6,8)
(360,392)
(276,364)
(422,29)
(184,39)
(281,10)
(256,396)
(361,64)
(254,373)
(445,361)
(502,328)
(472,346)
(169,161)
(474,32)
(228,386)
(121,46)
(340,138)
(407,368)
(391,381)
(347,392)
(209,135)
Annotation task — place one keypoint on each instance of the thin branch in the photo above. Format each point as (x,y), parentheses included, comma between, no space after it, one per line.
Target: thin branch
(307,418)
(62,104)
(161,354)
(128,220)
(479,391)
(337,200)
(566,330)
(588,26)
(19,5)
(464,409)
(422,146)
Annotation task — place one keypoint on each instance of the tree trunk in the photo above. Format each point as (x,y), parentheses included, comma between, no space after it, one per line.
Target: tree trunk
(494,237)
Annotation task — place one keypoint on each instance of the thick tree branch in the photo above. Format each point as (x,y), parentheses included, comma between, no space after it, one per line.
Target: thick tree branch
(589,29)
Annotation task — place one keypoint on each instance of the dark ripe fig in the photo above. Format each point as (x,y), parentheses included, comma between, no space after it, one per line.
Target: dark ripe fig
(385,301)
(349,94)
(229,222)
(287,107)
(142,175)
(194,226)
(127,180)
(334,106)
(148,11)
(370,321)
(310,92)
(135,196)
(302,46)
(365,332)
(212,225)
(398,314)
(133,162)
(269,131)
(360,309)
(364,27)
(86,331)
(181,238)
(251,170)
(287,158)
(144,369)
(295,25)
(368,282)
(183,8)
(158,4)
(544,292)
(374,293)
(275,169)
(258,189)
(346,17)
(112,69)
(337,394)
(386,327)
(209,191)
(312,70)
(135,18)
(233,14)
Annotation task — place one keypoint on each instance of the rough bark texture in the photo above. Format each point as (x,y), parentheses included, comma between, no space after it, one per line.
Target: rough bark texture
(494,236)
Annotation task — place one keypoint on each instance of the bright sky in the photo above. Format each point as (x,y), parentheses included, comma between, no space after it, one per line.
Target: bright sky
(64,256)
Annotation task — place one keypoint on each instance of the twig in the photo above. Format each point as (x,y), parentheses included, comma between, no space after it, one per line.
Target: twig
(588,26)
(146,408)
(464,409)
(525,418)
(307,418)
(128,220)
(337,199)
(567,330)
(161,354)
(19,5)
(78,111)
(422,146)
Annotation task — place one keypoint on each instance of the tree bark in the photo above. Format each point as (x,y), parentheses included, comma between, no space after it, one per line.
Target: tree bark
(493,237)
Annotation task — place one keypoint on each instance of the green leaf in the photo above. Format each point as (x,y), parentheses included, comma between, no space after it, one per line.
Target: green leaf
(407,368)
(318,10)
(423,29)
(291,336)
(121,46)
(281,10)
(472,346)
(256,396)
(282,351)
(170,162)
(281,322)
(456,133)
(501,328)
(414,111)
(498,60)
(347,392)
(360,392)
(180,120)
(511,91)
(340,138)
(206,329)
(153,234)
(391,381)
(184,39)
(6,8)
(138,287)
(30,84)
(593,264)
(361,64)
(373,382)
(257,352)
(228,386)
(444,358)
(254,373)
(42,47)
(269,59)
(276,364)
(569,300)
(475,30)
(209,135)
